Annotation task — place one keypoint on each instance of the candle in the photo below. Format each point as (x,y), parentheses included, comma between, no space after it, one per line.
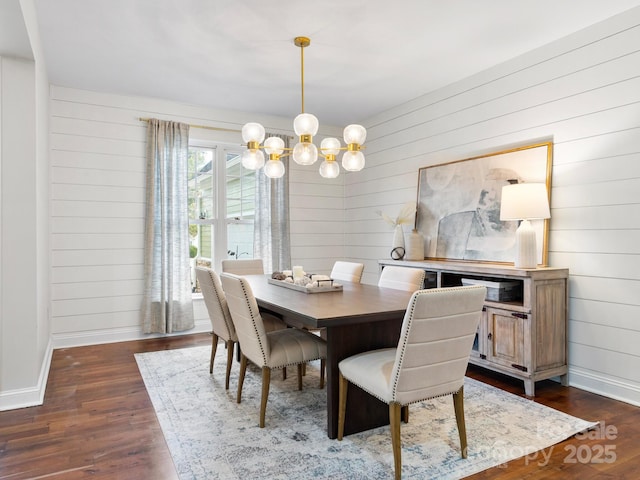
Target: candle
(298,271)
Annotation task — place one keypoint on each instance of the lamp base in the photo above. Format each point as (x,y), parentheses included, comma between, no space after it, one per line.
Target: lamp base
(526,251)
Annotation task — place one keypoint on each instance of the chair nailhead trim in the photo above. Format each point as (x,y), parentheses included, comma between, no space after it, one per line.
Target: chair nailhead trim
(410,311)
(253,321)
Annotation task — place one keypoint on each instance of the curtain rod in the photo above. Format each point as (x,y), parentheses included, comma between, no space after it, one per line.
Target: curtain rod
(219,129)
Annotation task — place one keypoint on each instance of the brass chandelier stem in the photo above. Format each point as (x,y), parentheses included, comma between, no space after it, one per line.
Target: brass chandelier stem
(302,42)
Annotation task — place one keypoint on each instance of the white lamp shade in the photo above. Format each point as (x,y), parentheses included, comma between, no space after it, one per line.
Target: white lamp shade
(524,201)
(305,124)
(329,169)
(353,161)
(330,146)
(354,134)
(252,159)
(305,153)
(252,132)
(274,145)
(274,169)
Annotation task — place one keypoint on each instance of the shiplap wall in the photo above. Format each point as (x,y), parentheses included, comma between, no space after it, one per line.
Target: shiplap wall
(583,93)
(97,148)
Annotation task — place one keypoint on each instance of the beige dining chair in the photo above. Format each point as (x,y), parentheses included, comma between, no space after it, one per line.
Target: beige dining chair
(254,266)
(402,278)
(267,350)
(347,271)
(249,266)
(221,323)
(430,360)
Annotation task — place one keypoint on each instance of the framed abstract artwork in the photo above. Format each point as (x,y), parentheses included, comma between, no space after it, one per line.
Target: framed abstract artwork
(459,204)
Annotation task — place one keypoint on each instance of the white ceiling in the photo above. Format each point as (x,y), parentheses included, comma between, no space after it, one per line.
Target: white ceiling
(365,55)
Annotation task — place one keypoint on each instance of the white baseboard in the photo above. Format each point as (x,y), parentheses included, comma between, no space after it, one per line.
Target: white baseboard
(32,396)
(113,335)
(606,386)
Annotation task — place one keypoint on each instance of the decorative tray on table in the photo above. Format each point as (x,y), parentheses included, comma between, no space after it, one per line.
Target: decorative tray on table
(316,284)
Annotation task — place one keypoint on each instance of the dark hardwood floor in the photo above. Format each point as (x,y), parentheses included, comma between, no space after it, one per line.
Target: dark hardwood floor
(97,422)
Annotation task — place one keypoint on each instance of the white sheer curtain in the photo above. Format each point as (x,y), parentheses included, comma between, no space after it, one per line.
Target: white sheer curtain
(271,228)
(166,304)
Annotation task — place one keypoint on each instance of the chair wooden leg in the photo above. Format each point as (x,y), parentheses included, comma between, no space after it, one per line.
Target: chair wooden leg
(214,348)
(284,373)
(458,406)
(230,344)
(323,364)
(405,414)
(343,384)
(300,376)
(266,379)
(243,369)
(394,421)
(304,369)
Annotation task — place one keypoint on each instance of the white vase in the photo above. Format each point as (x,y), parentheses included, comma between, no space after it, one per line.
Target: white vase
(397,247)
(415,246)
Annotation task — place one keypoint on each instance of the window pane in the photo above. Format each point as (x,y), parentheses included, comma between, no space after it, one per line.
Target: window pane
(248,207)
(240,240)
(202,241)
(234,209)
(201,187)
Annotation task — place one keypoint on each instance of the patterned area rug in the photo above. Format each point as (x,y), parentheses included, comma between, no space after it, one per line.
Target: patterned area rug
(210,436)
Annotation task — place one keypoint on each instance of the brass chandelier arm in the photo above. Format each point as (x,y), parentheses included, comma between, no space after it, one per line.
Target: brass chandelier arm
(352,147)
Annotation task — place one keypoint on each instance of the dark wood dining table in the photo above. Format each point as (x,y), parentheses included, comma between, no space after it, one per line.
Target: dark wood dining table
(357,319)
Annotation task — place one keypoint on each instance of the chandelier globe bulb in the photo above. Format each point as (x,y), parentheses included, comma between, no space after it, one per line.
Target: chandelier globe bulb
(274,169)
(329,169)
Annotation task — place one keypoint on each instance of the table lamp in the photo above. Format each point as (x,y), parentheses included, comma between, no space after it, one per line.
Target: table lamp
(525,201)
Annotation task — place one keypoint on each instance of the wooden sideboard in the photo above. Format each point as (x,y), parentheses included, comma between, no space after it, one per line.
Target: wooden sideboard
(525,337)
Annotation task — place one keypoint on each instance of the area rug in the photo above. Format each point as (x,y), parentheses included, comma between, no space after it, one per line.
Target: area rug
(210,436)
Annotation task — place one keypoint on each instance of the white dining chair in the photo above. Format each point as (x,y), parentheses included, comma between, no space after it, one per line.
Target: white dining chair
(267,350)
(221,323)
(248,266)
(253,266)
(347,271)
(430,360)
(402,278)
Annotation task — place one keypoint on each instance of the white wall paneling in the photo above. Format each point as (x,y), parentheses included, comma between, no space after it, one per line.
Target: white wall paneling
(582,93)
(97,208)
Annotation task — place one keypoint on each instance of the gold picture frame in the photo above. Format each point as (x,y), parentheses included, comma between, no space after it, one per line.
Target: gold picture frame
(458,205)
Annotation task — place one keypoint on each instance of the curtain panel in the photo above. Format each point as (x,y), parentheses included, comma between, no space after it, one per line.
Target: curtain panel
(271,227)
(166,304)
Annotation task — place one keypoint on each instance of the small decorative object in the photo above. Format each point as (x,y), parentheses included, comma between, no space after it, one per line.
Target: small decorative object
(278,276)
(405,216)
(309,284)
(298,272)
(415,246)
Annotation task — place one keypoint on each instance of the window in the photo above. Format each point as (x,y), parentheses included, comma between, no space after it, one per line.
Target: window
(240,211)
(221,206)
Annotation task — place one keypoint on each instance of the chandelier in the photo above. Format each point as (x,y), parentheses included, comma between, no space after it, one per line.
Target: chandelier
(304,152)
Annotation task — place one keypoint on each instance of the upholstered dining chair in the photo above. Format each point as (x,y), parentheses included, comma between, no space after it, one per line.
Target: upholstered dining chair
(402,278)
(221,323)
(253,266)
(347,271)
(249,266)
(267,350)
(430,360)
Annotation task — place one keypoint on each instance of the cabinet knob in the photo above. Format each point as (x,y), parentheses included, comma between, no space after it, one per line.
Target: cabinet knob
(490,336)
